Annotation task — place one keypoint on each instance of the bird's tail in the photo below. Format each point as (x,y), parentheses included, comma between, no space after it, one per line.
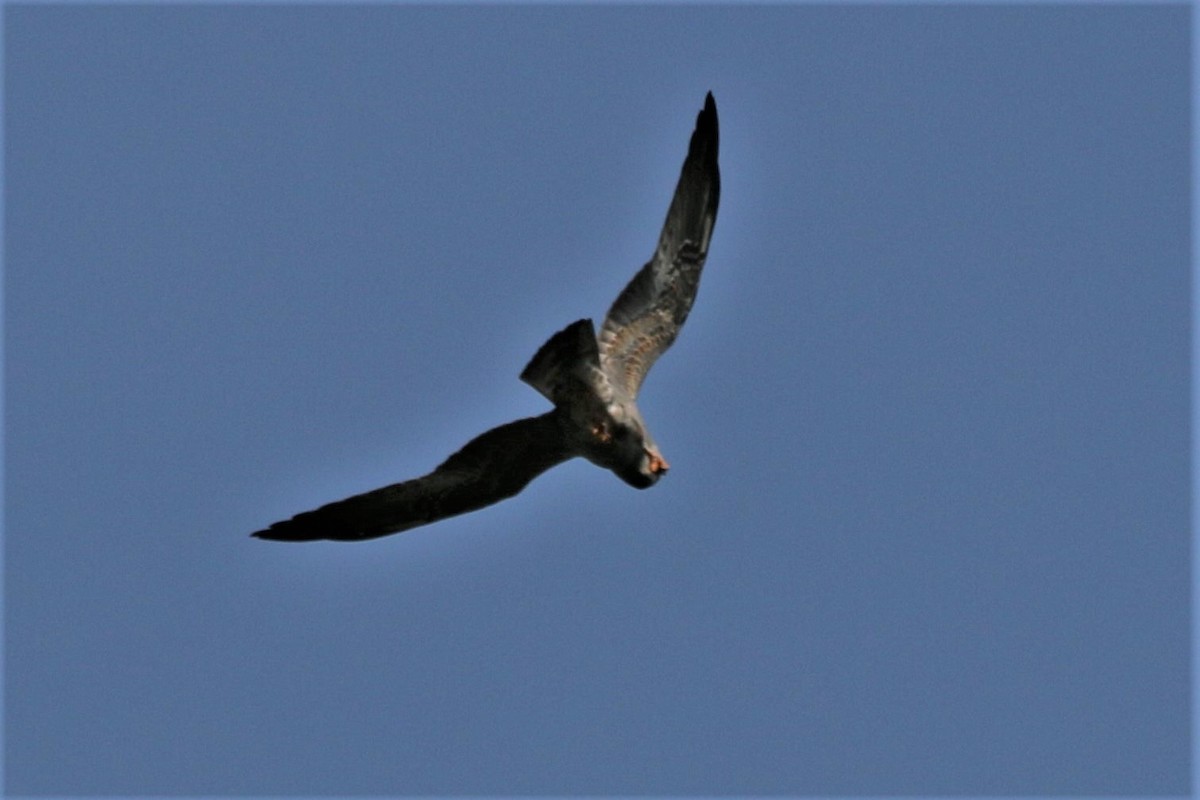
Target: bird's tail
(570,354)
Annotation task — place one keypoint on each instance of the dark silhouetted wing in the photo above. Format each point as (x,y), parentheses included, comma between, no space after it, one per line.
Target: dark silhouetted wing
(491,467)
(647,316)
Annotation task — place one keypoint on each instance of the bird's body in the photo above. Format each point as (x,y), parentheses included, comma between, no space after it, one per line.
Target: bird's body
(592,380)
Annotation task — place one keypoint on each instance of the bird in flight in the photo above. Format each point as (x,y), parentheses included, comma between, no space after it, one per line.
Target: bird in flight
(592,380)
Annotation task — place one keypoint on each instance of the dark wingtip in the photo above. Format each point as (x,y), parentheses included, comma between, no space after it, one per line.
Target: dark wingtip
(705,139)
(273,536)
(296,529)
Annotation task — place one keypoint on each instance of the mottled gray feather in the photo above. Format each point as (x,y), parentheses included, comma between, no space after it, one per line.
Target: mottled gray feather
(647,315)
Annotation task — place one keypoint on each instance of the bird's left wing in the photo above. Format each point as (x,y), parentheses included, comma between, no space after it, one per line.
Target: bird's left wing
(647,315)
(491,467)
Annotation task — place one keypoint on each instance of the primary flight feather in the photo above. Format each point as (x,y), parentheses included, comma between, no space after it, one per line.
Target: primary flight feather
(593,382)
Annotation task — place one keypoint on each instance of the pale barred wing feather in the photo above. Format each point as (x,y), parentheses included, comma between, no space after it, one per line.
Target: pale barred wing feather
(647,315)
(491,467)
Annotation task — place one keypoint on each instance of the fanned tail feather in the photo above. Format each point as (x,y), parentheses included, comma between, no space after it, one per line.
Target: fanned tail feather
(570,354)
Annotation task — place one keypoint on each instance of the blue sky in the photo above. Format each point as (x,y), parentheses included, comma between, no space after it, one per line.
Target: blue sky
(927,526)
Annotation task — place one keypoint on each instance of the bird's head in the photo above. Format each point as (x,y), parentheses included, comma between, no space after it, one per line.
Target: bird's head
(618,441)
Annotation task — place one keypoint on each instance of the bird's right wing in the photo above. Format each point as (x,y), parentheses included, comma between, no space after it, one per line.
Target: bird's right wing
(647,315)
(491,467)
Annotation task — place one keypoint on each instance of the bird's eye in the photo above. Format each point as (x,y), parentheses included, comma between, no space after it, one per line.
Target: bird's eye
(600,431)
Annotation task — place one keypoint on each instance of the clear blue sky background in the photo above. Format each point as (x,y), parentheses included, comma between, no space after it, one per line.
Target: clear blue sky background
(927,528)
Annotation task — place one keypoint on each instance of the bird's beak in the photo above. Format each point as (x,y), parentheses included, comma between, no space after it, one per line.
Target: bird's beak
(658,464)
